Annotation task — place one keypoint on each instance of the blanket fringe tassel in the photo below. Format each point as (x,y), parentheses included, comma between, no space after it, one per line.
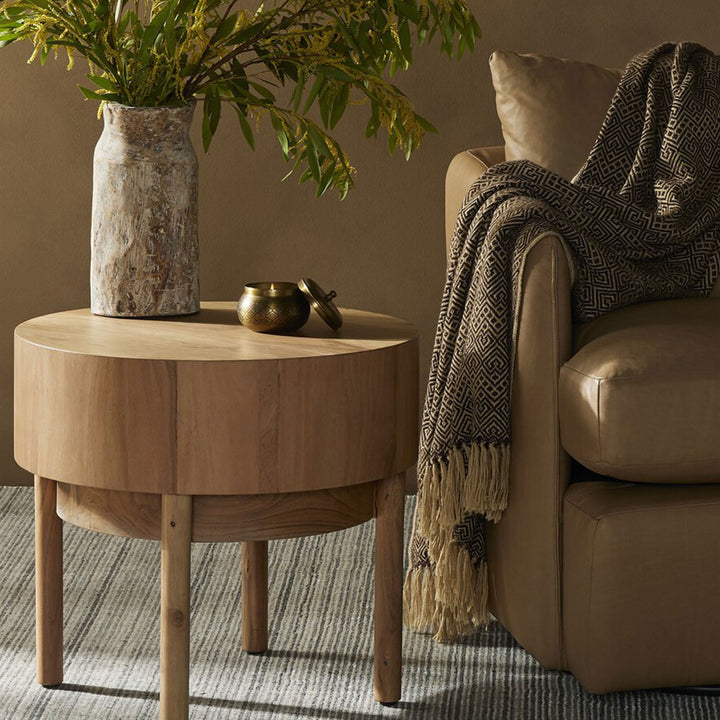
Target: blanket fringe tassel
(451,596)
(471,479)
(449,605)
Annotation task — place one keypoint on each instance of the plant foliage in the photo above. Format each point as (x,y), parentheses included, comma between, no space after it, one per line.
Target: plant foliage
(329,54)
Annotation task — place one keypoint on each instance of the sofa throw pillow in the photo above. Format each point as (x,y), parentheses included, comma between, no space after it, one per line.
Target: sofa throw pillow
(551,109)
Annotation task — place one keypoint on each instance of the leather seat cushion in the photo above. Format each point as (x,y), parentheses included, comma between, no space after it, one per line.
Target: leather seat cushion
(640,399)
(640,586)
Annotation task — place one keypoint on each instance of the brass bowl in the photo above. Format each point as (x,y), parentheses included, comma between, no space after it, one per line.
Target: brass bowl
(273,307)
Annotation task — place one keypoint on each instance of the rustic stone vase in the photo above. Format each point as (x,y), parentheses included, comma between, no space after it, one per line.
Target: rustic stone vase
(144,215)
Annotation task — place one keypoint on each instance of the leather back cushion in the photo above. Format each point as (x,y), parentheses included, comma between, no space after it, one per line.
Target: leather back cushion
(551,109)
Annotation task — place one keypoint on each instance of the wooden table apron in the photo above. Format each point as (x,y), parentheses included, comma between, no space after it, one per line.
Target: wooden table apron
(195,429)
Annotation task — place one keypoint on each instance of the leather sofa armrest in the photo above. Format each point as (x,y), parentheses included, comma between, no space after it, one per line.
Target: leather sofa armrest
(524,548)
(464,169)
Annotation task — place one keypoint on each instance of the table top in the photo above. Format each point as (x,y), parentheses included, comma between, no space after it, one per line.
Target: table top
(143,406)
(212,334)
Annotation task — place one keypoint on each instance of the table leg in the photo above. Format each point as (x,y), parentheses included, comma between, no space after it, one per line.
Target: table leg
(48,584)
(175,607)
(255,596)
(389,518)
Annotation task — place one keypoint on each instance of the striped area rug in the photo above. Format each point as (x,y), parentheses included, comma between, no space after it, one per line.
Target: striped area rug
(320,662)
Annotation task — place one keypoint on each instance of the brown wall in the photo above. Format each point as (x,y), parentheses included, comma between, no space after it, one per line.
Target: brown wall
(381,249)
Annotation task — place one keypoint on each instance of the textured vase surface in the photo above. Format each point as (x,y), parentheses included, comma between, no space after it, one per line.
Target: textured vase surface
(144,218)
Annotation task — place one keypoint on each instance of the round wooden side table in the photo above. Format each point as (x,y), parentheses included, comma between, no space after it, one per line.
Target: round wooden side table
(197,429)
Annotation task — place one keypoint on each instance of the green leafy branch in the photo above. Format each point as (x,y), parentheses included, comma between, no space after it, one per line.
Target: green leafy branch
(329,54)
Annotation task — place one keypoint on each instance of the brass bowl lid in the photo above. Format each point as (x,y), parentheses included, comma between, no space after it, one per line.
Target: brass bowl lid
(321,302)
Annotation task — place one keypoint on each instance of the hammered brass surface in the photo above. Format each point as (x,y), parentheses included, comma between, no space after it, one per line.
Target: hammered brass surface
(273,307)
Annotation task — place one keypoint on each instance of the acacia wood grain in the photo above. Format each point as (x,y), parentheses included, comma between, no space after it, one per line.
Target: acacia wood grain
(175,607)
(294,425)
(48,584)
(389,503)
(96,421)
(213,334)
(220,518)
(127,514)
(282,515)
(205,406)
(254,596)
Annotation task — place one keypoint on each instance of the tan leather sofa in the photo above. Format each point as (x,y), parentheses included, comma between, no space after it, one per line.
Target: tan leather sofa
(616,580)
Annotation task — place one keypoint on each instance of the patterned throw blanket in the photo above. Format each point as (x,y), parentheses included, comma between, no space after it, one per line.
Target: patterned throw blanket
(641,221)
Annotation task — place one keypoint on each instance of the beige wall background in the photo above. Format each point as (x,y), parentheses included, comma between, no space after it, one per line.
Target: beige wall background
(382,249)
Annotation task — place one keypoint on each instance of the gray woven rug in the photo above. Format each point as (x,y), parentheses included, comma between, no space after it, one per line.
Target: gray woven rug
(320,664)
